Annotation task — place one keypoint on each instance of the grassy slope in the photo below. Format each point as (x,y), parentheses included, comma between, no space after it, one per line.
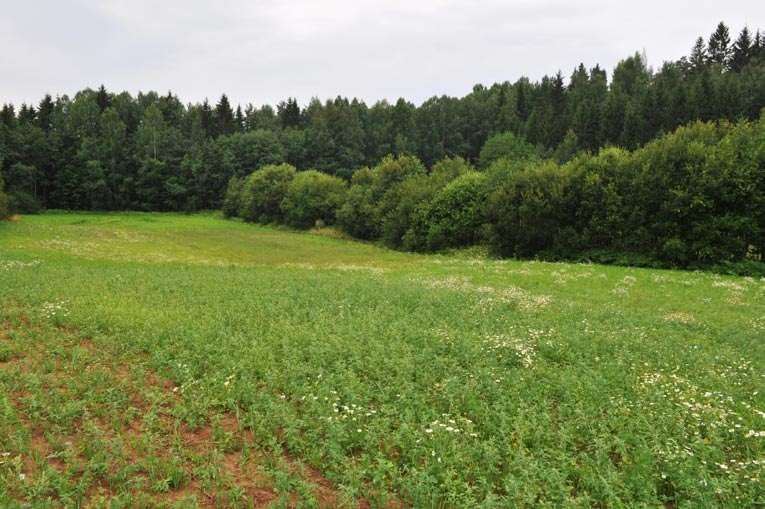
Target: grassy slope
(447,381)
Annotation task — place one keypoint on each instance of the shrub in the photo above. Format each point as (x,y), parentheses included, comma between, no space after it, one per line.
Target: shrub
(21,202)
(528,211)
(506,146)
(415,194)
(454,217)
(263,192)
(312,196)
(373,195)
(233,197)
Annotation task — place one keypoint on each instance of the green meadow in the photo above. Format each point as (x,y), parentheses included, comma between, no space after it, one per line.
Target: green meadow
(157,360)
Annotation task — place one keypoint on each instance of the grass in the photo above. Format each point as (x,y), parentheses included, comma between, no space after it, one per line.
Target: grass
(345,374)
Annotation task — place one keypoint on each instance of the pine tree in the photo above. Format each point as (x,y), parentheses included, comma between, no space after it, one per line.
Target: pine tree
(27,114)
(742,50)
(102,98)
(239,119)
(224,117)
(289,113)
(44,112)
(719,46)
(206,119)
(523,100)
(699,55)
(758,46)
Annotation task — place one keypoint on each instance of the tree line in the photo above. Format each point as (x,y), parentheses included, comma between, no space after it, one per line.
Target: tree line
(111,151)
(531,168)
(692,198)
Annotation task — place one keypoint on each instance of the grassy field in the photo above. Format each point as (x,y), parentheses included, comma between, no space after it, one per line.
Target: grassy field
(164,360)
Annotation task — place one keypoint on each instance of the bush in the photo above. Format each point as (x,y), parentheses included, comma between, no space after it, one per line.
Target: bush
(263,192)
(528,211)
(454,218)
(407,196)
(312,196)
(233,197)
(374,194)
(506,146)
(20,202)
(413,195)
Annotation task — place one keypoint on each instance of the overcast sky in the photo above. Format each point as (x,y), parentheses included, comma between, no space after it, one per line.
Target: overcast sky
(262,51)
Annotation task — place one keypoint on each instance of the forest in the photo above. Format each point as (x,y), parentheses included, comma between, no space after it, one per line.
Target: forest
(650,166)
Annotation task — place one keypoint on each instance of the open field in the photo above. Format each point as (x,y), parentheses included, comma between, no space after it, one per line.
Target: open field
(150,360)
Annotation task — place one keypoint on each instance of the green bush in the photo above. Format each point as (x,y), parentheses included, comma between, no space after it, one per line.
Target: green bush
(21,202)
(455,216)
(528,210)
(374,194)
(312,196)
(231,201)
(413,195)
(263,192)
(506,146)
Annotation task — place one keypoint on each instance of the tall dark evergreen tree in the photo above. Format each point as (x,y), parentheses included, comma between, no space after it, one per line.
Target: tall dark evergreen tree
(699,57)
(224,118)
(44,113)
(27,114)
(239,119)
(719,46)
(289,113)
(742,50)
(102,98)
(206,119)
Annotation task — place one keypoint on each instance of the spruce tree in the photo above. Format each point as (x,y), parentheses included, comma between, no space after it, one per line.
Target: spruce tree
(206,118)
(239,119)
(742,50)
(102,98)
(699,55)
(44,112)
(27,114)
(224,117)
(289,113)
(719,46)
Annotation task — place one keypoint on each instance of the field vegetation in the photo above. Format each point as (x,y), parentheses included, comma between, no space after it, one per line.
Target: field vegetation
(172,360)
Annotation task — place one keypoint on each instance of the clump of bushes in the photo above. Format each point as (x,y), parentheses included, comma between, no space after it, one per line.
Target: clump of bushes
(312,196)
(453,218)
(262,193)
(693,198)
(282,195)
(506,146)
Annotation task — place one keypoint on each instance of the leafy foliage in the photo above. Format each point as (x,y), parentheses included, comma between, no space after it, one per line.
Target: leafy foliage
(312,197)
(506,145)
(263,192)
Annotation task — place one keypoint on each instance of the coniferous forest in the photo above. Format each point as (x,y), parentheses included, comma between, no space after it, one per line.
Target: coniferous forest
(644,166)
